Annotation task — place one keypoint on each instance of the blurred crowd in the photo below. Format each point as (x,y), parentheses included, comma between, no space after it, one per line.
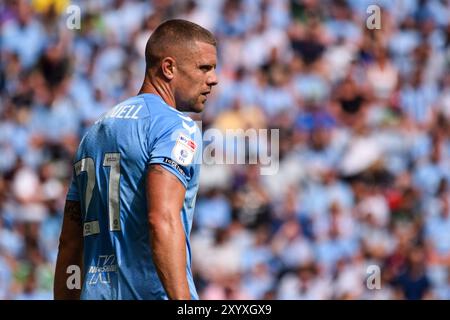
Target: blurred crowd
(364,141)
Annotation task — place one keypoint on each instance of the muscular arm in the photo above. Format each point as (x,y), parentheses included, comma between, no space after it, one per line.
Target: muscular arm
(165,196)
(69,251)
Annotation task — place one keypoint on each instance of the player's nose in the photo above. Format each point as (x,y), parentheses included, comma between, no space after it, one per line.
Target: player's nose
(212,79)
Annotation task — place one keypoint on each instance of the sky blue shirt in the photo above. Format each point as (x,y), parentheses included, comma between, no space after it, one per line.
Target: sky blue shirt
(109,181)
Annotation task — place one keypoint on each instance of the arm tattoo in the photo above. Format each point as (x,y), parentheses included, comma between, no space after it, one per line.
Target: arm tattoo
(156,169)
(73,211)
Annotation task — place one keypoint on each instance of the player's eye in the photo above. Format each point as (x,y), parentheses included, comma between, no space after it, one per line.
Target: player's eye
(206,68)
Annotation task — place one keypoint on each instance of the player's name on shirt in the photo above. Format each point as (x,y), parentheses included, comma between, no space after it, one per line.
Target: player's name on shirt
(127,111)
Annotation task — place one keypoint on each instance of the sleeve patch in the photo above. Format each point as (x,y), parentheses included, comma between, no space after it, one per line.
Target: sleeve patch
(184,150)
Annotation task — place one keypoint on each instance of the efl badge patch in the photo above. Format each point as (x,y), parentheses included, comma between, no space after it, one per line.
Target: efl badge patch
(184,150)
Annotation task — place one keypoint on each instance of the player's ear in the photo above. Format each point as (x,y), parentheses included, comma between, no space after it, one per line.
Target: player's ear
(168,67)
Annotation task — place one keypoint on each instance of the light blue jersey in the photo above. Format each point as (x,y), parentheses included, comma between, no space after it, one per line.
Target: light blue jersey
(109,181)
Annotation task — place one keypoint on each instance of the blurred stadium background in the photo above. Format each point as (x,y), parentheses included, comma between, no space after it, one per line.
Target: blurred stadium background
(364,119)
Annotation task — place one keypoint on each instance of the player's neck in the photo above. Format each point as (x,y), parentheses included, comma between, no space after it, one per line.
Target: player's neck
(159,88)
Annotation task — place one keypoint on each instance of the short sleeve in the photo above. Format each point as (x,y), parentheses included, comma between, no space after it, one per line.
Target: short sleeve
(73,193)
(175,150)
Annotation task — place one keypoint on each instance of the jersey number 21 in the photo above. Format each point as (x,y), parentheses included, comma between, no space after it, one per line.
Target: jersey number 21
(87,165)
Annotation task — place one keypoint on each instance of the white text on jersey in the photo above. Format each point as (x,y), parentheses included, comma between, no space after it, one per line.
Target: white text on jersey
(125,112)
